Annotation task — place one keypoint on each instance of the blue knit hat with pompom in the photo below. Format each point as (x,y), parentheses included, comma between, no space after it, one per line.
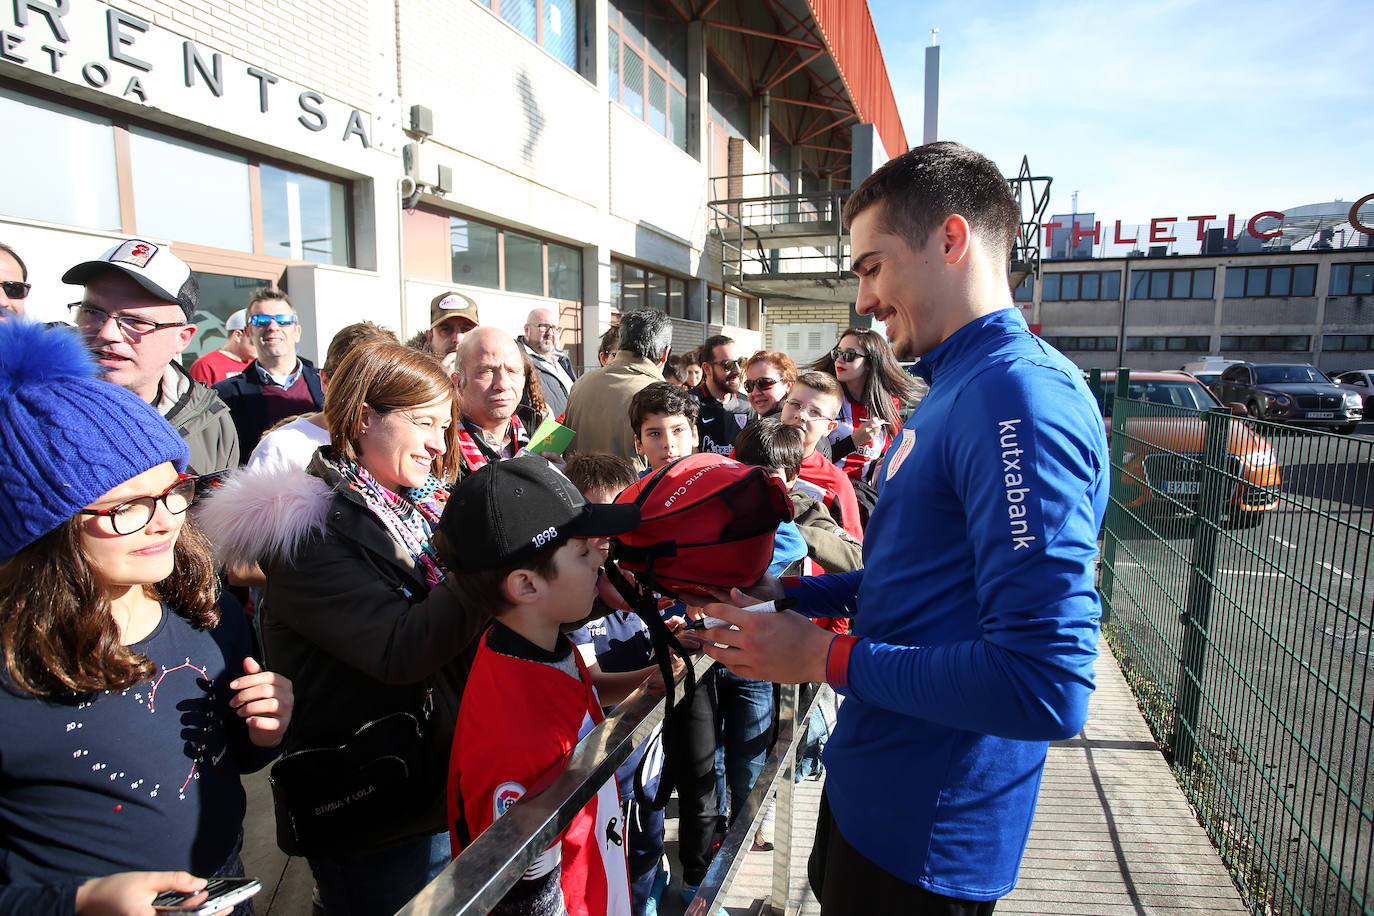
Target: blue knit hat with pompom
(66,437)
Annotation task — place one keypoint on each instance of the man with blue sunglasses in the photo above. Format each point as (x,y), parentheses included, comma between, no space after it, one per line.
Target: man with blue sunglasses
(279,383)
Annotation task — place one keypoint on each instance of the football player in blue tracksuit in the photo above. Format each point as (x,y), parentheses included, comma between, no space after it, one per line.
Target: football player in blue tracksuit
(975,616)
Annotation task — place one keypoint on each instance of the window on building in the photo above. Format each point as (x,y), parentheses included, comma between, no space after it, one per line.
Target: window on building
(1346,279)
(641,286)
(303,217)
(1025,290)
(1081,285)
(77,182)
(163,169)
(647,64)
(1274,343)
(1334,342)
(1170,342)
(551,24)
(524,264)
(716,313)
(476,252)
(565,272)
(483,254)
(1281,280)
(68,178)
(1172,284)
(1083,343)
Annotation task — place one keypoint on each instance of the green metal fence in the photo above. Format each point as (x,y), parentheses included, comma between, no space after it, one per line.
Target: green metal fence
(1236,556)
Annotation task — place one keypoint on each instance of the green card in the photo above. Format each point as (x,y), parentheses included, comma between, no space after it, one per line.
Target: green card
(551,436)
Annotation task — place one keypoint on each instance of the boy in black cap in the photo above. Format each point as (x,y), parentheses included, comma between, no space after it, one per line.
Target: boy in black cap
(523,557)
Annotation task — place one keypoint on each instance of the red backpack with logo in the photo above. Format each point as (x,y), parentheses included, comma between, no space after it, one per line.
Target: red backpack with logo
(706,521)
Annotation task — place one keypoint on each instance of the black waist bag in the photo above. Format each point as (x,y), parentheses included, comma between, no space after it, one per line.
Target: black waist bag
(331,800)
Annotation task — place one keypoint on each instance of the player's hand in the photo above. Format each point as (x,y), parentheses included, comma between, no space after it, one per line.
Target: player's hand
(265,699)
(782,646)
(769,588)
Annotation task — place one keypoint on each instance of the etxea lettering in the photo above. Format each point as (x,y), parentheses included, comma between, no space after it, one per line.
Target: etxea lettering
(1014,482)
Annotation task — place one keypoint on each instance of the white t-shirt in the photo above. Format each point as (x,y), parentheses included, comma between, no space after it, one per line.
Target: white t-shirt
(291,445)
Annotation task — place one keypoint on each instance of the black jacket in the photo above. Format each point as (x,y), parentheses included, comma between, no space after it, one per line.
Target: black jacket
(346,612)
(243,394)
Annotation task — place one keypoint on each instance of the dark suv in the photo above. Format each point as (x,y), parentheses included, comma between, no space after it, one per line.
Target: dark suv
(1290,393)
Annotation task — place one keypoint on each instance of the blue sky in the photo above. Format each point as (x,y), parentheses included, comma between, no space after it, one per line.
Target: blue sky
(1165,108)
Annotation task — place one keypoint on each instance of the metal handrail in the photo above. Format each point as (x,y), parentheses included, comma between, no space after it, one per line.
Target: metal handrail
(491,865)
(494,862)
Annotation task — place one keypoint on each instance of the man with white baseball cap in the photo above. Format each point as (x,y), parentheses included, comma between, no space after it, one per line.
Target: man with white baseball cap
(451,315)
(232,358)
(135,317)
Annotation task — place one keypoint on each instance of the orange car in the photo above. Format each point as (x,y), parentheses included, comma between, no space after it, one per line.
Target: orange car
(1161,457)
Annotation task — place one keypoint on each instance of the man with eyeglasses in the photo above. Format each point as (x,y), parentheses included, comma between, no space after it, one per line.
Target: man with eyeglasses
(135,317)
(279,383)
(723,412)
(14,282)
(540,342)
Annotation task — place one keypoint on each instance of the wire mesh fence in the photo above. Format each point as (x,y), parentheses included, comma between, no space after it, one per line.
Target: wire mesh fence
(1236,557)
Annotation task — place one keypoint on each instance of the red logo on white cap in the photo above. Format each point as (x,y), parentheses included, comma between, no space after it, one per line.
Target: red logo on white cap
(135,252)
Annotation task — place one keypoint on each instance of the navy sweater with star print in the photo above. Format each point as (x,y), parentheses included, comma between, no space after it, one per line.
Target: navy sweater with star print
(134,780)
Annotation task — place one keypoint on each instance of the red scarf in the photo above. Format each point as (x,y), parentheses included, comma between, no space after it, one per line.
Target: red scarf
(475,451)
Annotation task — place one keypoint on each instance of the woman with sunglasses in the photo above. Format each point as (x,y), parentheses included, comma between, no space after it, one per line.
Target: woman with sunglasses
(875,387)
(356,607)
(768,376)
(129,706)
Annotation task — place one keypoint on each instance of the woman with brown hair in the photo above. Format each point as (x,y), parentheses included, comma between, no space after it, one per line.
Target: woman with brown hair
(357,608)
(875,388)
(129,706)
(768,376)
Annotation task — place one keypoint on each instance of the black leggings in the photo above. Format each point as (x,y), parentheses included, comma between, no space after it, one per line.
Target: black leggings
(846,882)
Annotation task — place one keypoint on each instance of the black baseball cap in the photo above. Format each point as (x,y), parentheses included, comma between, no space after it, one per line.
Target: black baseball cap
(507,510)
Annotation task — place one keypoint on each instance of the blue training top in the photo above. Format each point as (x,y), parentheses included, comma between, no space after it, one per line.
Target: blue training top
(976,609)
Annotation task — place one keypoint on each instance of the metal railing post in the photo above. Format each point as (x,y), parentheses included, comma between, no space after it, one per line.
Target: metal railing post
(788,705)
(1113,518)
(1197,611)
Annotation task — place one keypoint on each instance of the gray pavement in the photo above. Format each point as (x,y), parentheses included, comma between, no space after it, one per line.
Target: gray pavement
(1112,835)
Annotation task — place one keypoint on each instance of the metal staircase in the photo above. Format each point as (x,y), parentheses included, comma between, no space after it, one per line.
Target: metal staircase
(795,246)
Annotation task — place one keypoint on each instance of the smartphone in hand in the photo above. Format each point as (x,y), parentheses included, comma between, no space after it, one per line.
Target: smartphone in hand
(223,894)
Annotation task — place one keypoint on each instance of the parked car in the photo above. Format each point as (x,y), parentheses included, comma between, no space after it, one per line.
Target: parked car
(1361,382)
(1161,458)
(1295,393)
(1208,370)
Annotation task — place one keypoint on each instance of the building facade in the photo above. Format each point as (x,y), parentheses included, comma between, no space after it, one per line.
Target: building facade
(1284,286)
(368,155)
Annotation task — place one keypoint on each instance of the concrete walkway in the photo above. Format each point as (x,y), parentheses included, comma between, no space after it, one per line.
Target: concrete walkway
(1113,834)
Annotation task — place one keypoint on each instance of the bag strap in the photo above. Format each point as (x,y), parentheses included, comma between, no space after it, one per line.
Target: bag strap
(640,598)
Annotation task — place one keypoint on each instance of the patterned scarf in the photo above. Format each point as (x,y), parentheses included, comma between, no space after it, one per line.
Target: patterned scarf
(472,445)
(409,515)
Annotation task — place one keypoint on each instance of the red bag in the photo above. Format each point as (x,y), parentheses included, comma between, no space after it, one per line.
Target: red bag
(705,521)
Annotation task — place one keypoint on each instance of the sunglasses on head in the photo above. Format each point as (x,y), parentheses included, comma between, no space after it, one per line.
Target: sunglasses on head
(764,382)
(263,321)
(16,289)
(846,356)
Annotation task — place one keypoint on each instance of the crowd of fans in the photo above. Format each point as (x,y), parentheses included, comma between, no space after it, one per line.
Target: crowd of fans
(351,557)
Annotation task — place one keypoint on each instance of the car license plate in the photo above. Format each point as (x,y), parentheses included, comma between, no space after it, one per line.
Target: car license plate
(1320,415)
(1181,487)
